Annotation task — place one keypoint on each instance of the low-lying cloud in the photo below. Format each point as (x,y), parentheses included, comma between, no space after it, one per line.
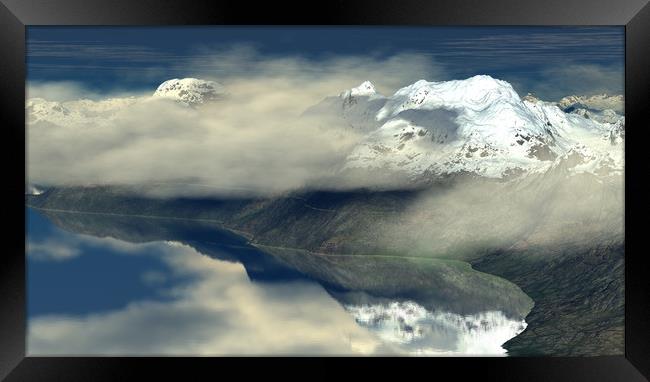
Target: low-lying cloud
(254,139)
(546,214)
(62,91)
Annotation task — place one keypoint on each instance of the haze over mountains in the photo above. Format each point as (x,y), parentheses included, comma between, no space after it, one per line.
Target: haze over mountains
(430,201)
(463,170)
(487,161)
(427,130)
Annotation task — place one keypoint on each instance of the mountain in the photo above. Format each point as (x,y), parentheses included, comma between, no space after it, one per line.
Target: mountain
(558,237)
(77,113)
(479,125)
(555,228)
(190,91)
(594,102)
(355,108)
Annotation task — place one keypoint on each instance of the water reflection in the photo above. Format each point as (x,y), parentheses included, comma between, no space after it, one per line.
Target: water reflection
(186,288)
(413,329)
(219,312)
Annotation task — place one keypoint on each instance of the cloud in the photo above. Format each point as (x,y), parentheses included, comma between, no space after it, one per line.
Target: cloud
(59,91)
(153,278)
(62,91)
(328,74)
(539,216)
(260,146)
(253,142)
(589,79)
(567,78)
(539,47)
(221,61)
(255,139)
(92,50)
(212,308)
(220,312)
(62,247)
(52,250)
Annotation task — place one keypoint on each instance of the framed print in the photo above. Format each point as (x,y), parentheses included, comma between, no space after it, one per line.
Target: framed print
(453,184)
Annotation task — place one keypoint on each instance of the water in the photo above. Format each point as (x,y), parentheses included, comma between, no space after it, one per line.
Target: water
(106,285)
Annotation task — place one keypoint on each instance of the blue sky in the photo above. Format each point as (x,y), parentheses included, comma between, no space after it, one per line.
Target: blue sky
(548,61)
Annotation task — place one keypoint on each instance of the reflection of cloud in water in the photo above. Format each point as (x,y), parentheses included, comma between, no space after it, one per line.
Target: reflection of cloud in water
(67,246)
(52,250)
(219,312)
(415,330)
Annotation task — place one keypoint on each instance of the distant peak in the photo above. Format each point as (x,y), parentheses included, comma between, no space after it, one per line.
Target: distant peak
(482,77)
(530,97)
(487,80)
(597,102)
(365,89)
(481,81)
(190,91)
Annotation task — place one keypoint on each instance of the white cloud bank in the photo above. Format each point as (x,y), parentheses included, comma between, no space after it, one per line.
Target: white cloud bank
(219,313)
(253,139)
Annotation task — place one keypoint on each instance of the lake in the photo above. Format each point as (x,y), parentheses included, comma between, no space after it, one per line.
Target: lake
(101,284)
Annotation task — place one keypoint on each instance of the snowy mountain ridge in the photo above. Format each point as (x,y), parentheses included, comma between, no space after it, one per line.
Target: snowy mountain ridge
(365,89)
(77,113)
(189,92)
(479,125)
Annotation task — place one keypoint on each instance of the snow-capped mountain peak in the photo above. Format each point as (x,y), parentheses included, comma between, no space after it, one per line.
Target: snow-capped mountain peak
(190,91)
(472,93)
(365,89)
(478,125)
(82,112)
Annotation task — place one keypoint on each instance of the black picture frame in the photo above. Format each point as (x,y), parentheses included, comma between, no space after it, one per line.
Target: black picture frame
(15,15)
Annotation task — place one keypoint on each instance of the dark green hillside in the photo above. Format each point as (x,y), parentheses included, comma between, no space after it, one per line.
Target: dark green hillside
(579,298)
